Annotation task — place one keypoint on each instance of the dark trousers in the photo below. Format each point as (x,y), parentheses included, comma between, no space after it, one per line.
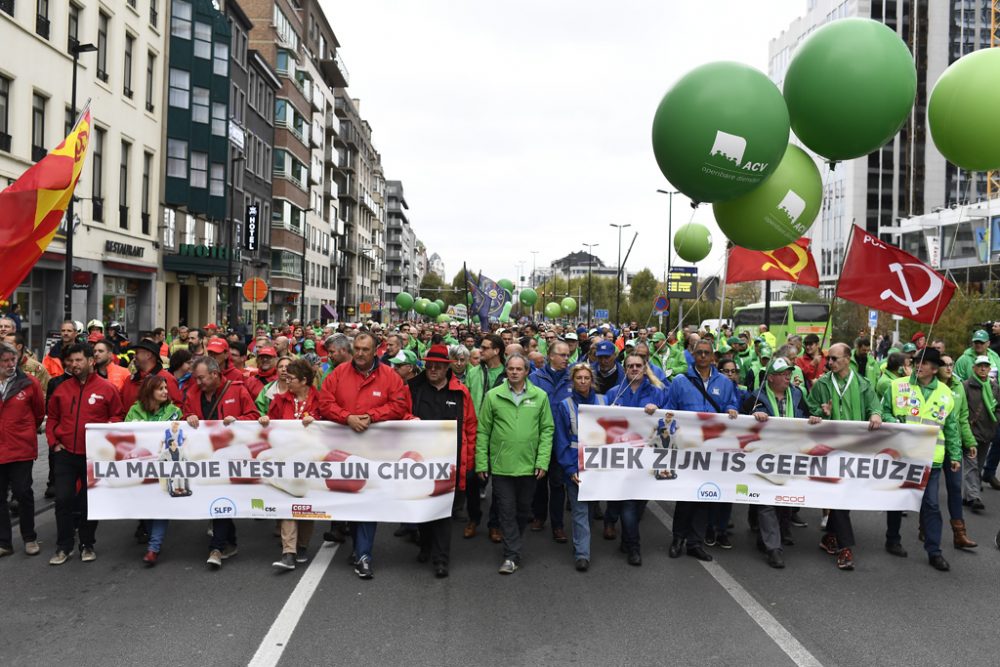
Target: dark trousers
(16,476)
(632,511)
(690,519)
(953,487)
(223,534)
(474,503)
(992,457)
(839,525)
(612,512)
(719,515)
(551,496)
(71,500)
(435,540)
(512,497)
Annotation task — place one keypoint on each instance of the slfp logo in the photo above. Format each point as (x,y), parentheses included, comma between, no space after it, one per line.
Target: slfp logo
(222,508)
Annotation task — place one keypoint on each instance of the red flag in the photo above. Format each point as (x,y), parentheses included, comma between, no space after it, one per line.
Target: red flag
(884,277)
(33,206)
(793,263)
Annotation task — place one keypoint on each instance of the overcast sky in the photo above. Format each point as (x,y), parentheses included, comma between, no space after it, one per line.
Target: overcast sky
(525,124)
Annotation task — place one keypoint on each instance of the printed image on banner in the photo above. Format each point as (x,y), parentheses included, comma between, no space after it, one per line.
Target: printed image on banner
(627,454)
(394,471)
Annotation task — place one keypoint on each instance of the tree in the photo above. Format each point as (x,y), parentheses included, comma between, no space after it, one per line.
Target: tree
(432,287)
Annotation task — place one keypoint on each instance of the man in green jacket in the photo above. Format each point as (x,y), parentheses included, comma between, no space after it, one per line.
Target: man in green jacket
(514,443)
(980,345)
(863,363)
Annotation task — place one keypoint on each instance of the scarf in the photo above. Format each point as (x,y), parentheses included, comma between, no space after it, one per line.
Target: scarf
(846,399)
(989,400)
(789,408)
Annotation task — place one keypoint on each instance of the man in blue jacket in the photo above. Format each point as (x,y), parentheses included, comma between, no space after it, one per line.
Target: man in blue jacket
(550,498)
(700,389)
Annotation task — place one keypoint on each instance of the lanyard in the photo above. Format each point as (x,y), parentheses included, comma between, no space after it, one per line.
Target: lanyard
(840,392)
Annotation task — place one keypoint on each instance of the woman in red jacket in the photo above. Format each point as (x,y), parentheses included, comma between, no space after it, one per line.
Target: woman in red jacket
(301,402)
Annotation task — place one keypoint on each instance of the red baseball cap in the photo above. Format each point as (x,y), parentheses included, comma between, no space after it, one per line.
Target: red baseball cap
(267,351)
(217,346)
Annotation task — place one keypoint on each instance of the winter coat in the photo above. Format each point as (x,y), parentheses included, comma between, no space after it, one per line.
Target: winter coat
(234,401)
(514,439)
(565,439)
(73,405)
(685,395)
(467,423)
(381,394)
(22,408)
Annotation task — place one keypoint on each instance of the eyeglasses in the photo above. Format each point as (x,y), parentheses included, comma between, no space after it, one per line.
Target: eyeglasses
(703,353)
(729,371)
(947,365)
(634,365)
(833,358)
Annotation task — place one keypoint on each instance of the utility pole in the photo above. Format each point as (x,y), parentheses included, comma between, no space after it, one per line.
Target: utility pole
(590,295)
(618,282)
(670,243)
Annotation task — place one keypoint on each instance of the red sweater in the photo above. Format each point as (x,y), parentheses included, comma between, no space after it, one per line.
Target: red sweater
(381,395)
(73,405)
(234,402)
(283,406)
(21,411)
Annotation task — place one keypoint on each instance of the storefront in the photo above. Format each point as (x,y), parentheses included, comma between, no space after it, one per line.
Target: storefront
(193,277)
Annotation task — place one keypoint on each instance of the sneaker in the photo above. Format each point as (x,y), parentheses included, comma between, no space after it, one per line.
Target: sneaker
(635,558)
(60,557)
(215,558)
(230,551)
(335,535)
(896,549)
(302,555)
(829,543)
(50,492)
(87,555)
(150,558)
(723,541)
(582,564)
(977,505)
(32,548)
(508,567)
(775,560)
(363,568)
(845,559)
(352,559)
(6,551)
(710,537)
(286,562)
(441,571)
(797,521)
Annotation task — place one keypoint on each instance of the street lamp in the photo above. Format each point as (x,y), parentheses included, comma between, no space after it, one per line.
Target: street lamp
(670,241)
(75,50)
(618,297)
(590,295)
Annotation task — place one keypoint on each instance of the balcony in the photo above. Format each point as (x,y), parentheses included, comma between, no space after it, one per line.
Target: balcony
(4,142)
(332,122)
(123,217)
(102,75)
(154,15)
(330,189)
(144,219)
(37,153)
(7,6)
(97,209)
(42,26)
(128,92)
(350,245)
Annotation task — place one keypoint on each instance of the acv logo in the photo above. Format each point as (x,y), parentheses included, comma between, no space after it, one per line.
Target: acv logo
(729,146)
(222,508)
(793,206)
(744,490)
(709,491)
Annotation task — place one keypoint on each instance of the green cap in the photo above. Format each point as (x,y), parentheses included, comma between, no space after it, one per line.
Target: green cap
(734,340)
(779,365)
(404,357)
(765,352)
(980,336)
(309,345)
(910,347)
(658,336)
(724,349)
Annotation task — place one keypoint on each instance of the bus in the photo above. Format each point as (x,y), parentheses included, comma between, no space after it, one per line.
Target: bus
(787,318)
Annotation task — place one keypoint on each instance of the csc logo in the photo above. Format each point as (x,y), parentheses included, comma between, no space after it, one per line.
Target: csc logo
(709,491)
(222,508)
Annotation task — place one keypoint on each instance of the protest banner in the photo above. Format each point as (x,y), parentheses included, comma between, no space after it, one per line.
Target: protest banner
(627,454)
(394,471)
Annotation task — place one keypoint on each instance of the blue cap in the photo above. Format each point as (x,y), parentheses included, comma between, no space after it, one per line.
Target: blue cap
(606,349)
(581,330)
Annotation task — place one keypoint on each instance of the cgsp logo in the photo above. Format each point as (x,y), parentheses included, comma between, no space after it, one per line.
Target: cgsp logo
(222,508)
(709,491)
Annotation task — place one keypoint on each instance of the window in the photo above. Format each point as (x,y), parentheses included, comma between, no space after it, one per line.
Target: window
(180,22)
(286,33)
(284,60)
(180,84)
(191,224)
(280,111)
(42,18)
(73,27)
(169,226)
(199,105)
(123,186)
(97,183)
(217,185)
(267,163)
(150,80)
(37,127)
(147,166)
(202,40)
(218,119)
(199,169)
(239,46)
(102,47)
(177,158)
(129,47)
(154,14)
(69,121)
(4,113)
(220,61)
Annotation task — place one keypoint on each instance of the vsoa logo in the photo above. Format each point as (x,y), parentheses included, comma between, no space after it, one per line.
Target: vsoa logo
(709,491)
(222,508)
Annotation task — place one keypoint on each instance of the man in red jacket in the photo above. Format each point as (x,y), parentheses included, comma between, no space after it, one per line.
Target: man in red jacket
(22,408)
(87,398)
(211,398)
(147,362)
(358,394)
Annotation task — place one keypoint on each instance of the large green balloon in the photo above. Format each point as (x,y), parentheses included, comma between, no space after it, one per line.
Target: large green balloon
(420,305)
(849,88)
(692,242)
(440,304)
(528,296)
(962,111)
(443,318)
(779,211)
(432,310)
(720,131)
(506,284)
(568,305)
(404,300)
(553,310)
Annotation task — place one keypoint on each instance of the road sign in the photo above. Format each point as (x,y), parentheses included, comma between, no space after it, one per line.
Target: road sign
(601,313)
(661,305)
(255,290)
(872,319)
(682,282)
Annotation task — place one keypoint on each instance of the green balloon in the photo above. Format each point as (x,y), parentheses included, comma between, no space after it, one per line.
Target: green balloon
(962,111)
(553,310)
(443,318)
(506,284)
(432,310)
(692,242)
(440,304)
(780,211)
(470,298)
(420,305)
(850,87)
(568,305)
(528,296)
(404,300)
(720,131)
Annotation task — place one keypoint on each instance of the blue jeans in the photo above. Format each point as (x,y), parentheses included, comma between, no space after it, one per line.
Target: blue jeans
(631,514)
(580,513)
(930,517)
(718,517)
(364,538)
(223,534)
(157,530)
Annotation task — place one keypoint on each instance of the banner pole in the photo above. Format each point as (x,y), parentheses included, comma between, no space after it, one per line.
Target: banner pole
(725,281)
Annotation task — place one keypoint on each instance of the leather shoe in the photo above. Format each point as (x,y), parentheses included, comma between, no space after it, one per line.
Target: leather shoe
(993,481)
(423,556)
(676,547)
(496,536)
(537,524)
(699,553)
(775,560)
(896,549)
(939,563)
(470,530)
(977,505)
(609,531)
(634,558)
(559,535)
(582,564)
(440,570)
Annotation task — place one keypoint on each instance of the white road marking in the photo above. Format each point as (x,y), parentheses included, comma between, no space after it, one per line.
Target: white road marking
(799,654)
(273,645)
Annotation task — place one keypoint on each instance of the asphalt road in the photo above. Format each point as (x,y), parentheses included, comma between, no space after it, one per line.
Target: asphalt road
(737,611)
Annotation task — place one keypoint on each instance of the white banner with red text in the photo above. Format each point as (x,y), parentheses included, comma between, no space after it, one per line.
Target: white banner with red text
(627,454)
(394,471)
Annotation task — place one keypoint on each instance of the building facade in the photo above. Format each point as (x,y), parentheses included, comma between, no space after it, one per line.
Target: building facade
(401,272)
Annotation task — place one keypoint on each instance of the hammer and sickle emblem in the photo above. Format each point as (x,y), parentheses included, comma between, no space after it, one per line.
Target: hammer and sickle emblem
(933,288)
(801,261)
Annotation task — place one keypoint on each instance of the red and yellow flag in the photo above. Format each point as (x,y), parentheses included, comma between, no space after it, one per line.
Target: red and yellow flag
(793,263)
(33,206)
